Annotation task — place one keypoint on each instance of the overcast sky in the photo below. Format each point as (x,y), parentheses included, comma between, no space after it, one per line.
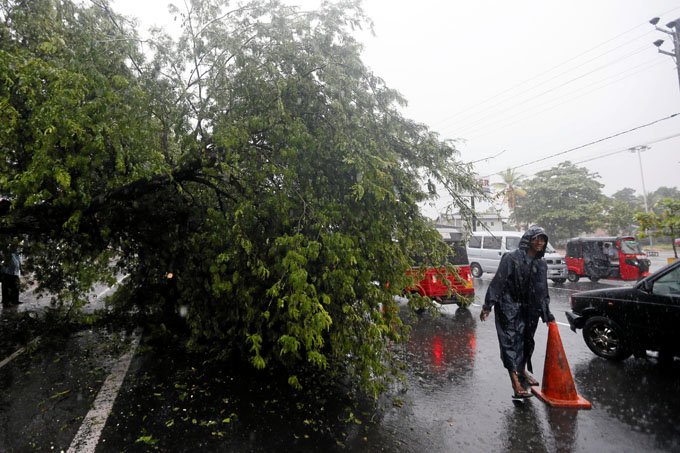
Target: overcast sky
(516,82)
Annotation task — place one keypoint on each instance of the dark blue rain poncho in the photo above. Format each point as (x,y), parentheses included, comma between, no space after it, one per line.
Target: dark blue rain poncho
(519,294)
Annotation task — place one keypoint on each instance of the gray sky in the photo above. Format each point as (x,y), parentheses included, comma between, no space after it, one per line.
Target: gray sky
(524,80)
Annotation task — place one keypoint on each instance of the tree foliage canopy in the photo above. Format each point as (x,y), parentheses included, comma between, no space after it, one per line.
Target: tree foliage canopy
(621,209)
(618,217)
(655,198)
(565,200)
(627,195)
(619,212)
(510,188)
(663,221)
(254,156)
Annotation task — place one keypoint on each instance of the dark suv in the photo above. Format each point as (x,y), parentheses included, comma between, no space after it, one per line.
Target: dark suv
(618,322)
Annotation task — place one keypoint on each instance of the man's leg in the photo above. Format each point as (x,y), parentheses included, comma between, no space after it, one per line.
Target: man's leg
(529,345)
(5,290)
(14,288)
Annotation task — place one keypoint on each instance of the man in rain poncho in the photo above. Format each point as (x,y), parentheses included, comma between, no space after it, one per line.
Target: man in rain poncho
(519,292)
(10,272)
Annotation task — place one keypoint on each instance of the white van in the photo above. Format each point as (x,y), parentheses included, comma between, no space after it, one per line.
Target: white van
(485,249)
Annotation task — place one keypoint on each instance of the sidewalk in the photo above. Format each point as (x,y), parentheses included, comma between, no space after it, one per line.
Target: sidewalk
(660,260)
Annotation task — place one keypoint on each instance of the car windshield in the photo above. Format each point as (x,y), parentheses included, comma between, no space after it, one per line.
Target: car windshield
(630,246)
(459,253)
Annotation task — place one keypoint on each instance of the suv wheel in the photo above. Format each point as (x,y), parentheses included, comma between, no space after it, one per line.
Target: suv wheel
(572,276)
(476,270)
(606,338)
(559,280)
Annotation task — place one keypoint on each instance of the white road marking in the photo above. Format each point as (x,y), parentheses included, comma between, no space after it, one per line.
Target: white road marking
(12,357)
(90,431)
(557,288)
(109,289)
(17,353)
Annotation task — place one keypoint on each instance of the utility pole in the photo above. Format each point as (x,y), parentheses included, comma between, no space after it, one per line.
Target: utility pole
(484,184)
(638,149)
(474,215)
(642,176)
(673,31)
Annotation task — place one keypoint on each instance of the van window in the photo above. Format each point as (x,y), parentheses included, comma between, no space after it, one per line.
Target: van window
(492,242)
(511,243)
(475,242)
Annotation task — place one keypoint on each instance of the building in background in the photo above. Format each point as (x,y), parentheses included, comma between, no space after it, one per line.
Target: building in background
(484,221)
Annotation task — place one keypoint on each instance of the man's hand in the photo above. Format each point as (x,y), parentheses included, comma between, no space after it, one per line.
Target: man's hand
(484,314)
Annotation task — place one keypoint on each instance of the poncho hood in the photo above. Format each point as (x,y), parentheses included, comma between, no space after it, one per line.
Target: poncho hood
(531,233)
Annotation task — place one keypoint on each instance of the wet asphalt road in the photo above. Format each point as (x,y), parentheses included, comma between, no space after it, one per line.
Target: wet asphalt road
(457,397)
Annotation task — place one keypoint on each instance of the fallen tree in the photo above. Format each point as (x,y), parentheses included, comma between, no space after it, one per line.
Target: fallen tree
(254,157)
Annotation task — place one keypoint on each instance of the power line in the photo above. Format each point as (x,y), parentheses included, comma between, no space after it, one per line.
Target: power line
(627,149)
(485,116)
(487,158)
(534,87)
(561,153)
(550,90)
(572,96)
(495,96)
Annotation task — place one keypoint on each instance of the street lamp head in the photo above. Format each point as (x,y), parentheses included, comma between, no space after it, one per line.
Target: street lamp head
(638,148)
(658,42)
(671,24)
(654,20)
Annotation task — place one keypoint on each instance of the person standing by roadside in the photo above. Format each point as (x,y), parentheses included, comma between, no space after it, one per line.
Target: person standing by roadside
(519,293)
(10,273)
(612,252)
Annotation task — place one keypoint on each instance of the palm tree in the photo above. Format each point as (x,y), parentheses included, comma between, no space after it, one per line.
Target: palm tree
(510,189)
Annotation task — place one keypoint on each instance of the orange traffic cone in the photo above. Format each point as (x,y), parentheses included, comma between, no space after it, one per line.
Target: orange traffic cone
(558,387)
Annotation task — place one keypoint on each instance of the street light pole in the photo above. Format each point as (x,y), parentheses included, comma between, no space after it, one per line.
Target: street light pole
(642,176)
(638,149)
(674,31)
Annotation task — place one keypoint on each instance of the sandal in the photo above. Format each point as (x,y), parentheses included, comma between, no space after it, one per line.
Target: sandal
(530,379)
(522,394)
